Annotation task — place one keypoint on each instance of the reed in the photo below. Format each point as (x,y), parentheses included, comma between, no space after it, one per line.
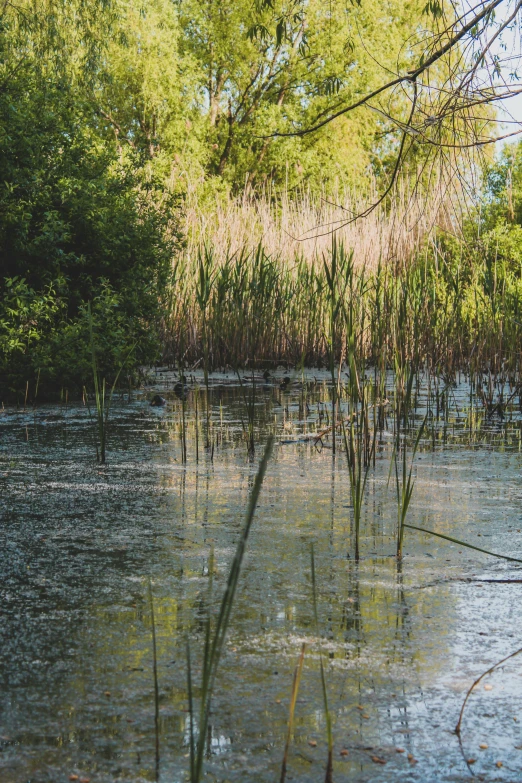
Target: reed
(183,431)
(215,635)
(335,303)
(250,307)
(299,223)
(196,422)
(102,397)
(327,713)
(204,281)
(250,403)
(291,712)
(404,485)
(359,452)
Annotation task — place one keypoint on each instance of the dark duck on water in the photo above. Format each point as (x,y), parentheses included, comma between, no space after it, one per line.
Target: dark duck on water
(181,389)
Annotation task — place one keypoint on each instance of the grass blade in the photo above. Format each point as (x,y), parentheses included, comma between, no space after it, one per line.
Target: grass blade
(293,699)
(488,671)
(463,543)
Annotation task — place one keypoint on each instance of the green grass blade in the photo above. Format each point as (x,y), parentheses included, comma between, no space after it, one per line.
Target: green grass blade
(214,648)
(291,712)
(463,543)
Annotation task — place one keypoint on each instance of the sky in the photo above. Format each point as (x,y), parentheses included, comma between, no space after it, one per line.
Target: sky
(509,50)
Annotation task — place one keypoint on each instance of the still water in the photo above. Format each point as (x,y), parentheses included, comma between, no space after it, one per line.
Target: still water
(401,643)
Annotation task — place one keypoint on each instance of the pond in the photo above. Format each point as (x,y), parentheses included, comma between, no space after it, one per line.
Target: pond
(401,641)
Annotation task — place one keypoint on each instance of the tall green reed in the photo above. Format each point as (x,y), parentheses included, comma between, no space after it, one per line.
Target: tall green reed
(359,448)
(443,311)
(404,484)
(327,713)
(249,400)
(215,634)
(204,283)
(335,303)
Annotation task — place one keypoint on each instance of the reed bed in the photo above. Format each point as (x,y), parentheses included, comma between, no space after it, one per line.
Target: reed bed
(298,224)
(448,310)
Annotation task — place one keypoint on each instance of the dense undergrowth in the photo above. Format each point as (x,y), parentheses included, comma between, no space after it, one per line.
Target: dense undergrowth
(455,306)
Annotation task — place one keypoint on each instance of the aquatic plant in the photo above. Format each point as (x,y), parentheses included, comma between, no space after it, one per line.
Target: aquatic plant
(196,422)
(440,311)
(215,635)
(102,398)
(404,485)
(291,711)
(358,467)
(334,303)
(327,714)
(249,402)
(183,429)
(204,281)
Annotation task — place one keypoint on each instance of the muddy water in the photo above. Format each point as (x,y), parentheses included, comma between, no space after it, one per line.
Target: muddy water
(79,542)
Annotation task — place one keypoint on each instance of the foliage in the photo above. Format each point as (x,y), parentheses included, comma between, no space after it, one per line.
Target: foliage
(197,87)
(110,111)
(271,66)
(78,223)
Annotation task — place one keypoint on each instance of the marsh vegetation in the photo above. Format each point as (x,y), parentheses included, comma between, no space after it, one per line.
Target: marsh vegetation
(261,391)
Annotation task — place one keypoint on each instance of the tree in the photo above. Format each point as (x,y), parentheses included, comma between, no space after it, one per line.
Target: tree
(144,93)
(78,222)
(460,72)
(268,65)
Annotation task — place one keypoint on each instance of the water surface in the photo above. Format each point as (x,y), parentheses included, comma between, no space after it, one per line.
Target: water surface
(402,642)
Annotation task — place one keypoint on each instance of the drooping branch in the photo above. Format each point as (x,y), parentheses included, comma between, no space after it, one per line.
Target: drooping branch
(410,76)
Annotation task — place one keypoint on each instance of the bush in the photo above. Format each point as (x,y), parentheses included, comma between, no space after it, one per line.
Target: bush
(79,223)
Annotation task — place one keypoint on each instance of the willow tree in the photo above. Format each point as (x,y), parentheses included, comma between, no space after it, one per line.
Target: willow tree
(267,65)
(440,107)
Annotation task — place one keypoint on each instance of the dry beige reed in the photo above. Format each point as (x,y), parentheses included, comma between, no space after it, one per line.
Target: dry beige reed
(301,224)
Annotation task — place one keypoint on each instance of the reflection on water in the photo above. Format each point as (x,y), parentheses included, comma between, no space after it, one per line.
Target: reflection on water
(403,642)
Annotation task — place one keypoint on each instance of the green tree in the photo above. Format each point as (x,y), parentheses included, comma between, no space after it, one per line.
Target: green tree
(145,92)
(274,65)
(78,222)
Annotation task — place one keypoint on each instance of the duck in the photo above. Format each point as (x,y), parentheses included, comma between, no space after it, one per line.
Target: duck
(181,389)
(285,383)
(265,378)
(158,401)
